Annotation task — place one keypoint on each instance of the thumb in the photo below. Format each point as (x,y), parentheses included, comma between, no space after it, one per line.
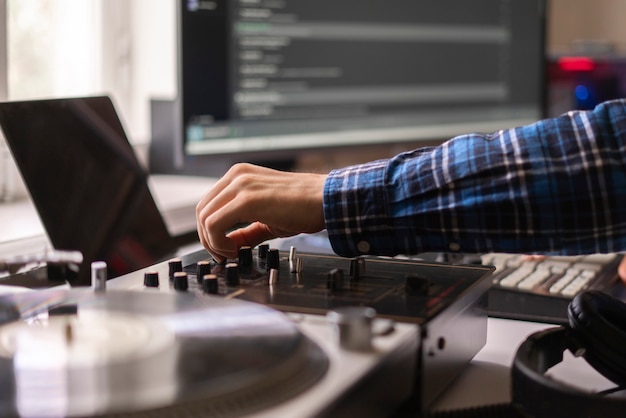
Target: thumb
(252,235)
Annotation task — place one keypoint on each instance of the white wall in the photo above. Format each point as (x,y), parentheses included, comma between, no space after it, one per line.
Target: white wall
(595,20)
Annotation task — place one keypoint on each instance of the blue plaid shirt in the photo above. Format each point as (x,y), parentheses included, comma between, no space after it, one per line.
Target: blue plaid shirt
(557,187)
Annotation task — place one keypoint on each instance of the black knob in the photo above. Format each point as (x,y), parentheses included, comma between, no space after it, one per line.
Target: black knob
(334,280)
(416,285)
(202,269)
(245,256)
(175,265)
(262,250)
(357,268)
(232,274)
(273,259)
(180,281)
(151,279)
(210,284)
(71,309)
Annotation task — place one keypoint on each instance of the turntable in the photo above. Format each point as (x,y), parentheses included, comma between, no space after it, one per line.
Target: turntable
(296,338)
(135,354)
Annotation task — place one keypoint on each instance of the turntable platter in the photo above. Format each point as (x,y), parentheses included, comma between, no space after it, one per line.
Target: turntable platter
(133,353)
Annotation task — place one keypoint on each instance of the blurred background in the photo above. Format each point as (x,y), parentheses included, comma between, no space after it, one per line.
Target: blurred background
(127,49)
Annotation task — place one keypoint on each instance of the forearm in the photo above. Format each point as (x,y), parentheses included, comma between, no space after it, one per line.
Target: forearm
(557,186)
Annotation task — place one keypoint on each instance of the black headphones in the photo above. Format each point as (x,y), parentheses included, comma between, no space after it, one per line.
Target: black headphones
(597,331)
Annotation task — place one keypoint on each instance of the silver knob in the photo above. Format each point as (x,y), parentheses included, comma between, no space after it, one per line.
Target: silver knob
(99,276)
(353,327)
(273,277)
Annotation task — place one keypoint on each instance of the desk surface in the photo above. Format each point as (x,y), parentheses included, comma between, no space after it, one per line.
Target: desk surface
(487,381)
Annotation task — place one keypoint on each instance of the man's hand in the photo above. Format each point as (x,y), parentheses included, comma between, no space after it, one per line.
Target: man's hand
(269,203)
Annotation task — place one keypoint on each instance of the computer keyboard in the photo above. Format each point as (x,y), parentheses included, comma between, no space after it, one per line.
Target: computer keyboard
(541,289)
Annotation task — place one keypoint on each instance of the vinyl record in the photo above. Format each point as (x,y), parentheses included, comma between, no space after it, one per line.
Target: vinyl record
(126,353)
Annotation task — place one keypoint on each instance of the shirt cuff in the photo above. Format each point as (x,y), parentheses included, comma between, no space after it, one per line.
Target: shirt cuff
(355,201)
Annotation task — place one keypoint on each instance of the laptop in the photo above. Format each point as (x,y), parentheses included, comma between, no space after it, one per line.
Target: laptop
(86,183)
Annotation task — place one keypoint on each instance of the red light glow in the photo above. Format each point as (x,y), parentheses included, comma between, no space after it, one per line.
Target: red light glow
(576,64)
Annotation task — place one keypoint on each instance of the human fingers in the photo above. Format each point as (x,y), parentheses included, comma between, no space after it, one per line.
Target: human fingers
(231,190)
(205,243)
(204,207)
(267,215)
(255,234)
(283,204)
(220,216)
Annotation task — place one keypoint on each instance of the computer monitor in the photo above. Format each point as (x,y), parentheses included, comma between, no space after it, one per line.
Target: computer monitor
(268,80)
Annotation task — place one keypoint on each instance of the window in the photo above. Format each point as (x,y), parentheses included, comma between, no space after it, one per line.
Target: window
(62,48)
(53,48)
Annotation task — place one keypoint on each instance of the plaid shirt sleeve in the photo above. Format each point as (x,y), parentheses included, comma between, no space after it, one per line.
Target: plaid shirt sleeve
(556,187)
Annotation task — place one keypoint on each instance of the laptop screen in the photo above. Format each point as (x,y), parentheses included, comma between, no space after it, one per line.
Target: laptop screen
(84,179)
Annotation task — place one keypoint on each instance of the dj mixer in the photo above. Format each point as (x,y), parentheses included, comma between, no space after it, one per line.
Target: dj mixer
(272,333)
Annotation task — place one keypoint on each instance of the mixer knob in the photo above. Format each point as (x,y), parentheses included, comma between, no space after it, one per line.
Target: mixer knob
(357,268)
(273,277)
(210,284)
(293,259)
(99,275)
(175,265)
(181,282)
(273,259)
(202,269)
(151,279)
(292,253)
(353,327)
(61,310)
(245,256)
(334,280)
(416,285)
(262,250)
(232,274)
